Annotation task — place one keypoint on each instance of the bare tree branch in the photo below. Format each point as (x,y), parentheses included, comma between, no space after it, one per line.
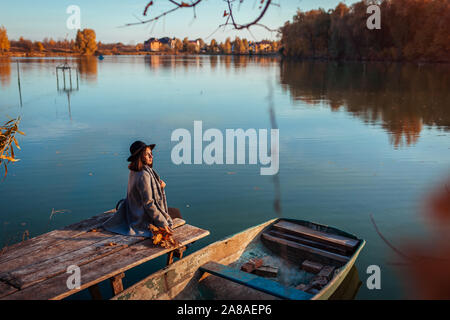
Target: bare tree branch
(265,4)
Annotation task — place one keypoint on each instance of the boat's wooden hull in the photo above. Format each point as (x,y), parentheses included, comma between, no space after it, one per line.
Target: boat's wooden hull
(334,284)
(184,280)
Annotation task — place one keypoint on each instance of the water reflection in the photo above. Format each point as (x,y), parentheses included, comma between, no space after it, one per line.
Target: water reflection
(402,97)
(5,72)
(88,67)
(213,60)
(227,62)
(70,85)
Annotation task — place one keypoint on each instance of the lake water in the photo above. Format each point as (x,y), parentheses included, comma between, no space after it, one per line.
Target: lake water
(355,139)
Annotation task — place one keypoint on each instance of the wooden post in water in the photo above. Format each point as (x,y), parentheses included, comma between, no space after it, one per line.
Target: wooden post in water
(70,78)
(77,78)
(18,81)
(67,88)
(64,78)
(57,79)
(68,100)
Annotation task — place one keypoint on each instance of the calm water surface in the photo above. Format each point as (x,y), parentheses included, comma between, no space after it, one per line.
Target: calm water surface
(355,139)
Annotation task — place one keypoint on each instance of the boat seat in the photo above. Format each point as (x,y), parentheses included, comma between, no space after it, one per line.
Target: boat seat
(345,243)
(255,282)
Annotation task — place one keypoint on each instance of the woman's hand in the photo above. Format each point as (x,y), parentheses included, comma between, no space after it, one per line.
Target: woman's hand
(163,184)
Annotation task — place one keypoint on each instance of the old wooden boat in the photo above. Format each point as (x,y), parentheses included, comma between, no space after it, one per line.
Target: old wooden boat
(278,259)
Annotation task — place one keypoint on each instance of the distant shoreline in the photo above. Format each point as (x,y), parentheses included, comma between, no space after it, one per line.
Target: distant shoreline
(149,53)
(140,53)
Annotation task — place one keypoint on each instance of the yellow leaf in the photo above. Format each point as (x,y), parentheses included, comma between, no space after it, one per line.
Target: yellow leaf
(16,143)
(157,238)
(8,158)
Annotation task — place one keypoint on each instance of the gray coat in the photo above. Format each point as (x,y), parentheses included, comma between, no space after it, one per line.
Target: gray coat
(145,204)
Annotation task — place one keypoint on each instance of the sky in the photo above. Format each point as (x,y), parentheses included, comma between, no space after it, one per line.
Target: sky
(36,20)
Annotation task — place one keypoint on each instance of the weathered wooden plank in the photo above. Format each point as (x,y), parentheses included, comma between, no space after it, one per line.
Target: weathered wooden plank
(266,271)
(6,289)
(311,266)
(341,241)
(31,274)
(53,251)
(311,243)
(252,264)
(327,272)
(305,248)
(107,266)
(178,222)
(255,282)
(64,246)
(46,240)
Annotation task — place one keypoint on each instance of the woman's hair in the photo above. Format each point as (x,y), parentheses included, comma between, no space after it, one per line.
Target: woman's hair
(138,164)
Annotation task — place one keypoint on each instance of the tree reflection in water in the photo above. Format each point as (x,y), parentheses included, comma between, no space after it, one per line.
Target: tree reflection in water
(88,68)
(402,97)
(5,72)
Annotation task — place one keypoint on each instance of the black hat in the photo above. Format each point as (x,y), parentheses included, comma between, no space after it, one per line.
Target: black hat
(136,148)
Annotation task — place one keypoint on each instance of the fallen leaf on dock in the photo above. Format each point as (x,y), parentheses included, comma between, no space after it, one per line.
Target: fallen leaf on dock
(111,244)
(162,236)
(157,238)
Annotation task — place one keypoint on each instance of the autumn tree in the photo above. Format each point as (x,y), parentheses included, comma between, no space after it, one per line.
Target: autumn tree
(166,48)
(227,46)
(185,44)
(85,42)
(411,30)
(40,46)
(192,48)
(4,41)
(202,43)
(238,46)
(140,47)
(26,45)
(245,45)
(213,46)
(178,45)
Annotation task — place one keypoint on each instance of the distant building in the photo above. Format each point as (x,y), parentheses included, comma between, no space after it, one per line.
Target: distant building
(155,45)
(263,46)
(152,44)
(167,41)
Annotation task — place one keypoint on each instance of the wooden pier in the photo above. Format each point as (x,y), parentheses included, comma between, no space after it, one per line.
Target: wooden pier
(37,268)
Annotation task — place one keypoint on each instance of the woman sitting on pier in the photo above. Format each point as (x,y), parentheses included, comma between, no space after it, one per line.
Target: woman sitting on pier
(146,202)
